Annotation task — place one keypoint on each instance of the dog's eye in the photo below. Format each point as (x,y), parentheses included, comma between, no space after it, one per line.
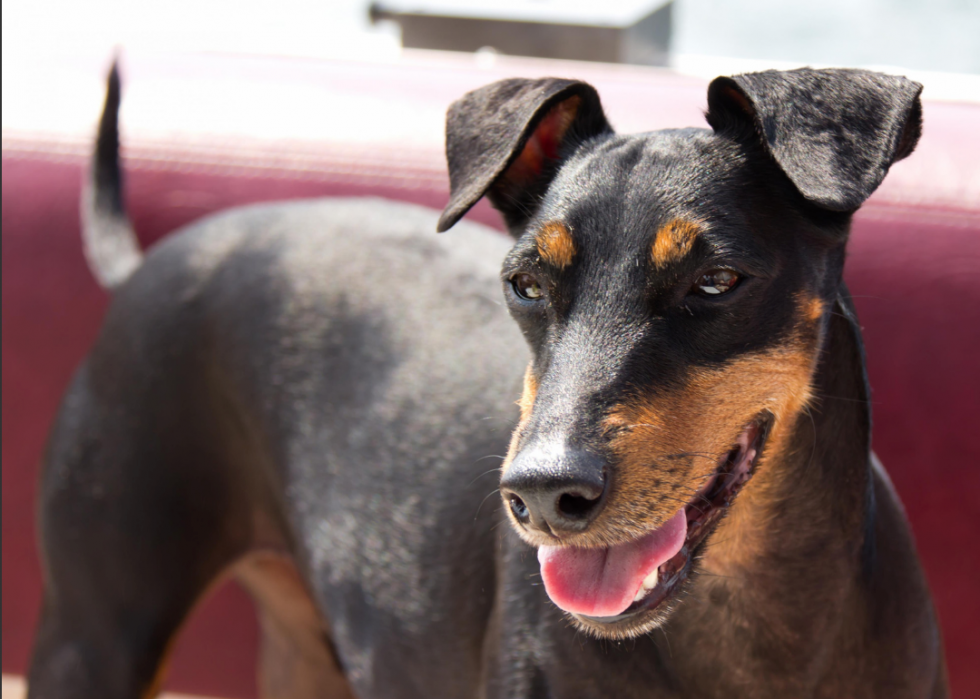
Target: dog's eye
(716,282)
(526,287)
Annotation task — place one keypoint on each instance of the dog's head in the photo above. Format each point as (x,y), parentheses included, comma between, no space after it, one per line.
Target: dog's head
(674,288)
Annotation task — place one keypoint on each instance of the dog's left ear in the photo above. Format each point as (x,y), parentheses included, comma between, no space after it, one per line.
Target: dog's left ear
(833,132)
(508,139)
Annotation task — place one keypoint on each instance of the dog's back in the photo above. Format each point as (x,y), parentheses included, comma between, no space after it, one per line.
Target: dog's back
(313,396)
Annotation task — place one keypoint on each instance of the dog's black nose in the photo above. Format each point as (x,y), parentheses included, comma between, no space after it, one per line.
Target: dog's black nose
(556,492)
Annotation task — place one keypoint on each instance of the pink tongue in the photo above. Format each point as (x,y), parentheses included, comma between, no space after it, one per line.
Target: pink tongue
(603,582)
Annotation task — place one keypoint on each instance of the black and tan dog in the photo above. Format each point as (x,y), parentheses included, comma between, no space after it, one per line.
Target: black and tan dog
(310,397)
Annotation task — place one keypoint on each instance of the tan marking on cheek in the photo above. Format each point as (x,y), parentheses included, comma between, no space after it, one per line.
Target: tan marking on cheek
(809,310)
(813,309)
(668,444)
(555,245)
(737,542)
(673,241)
(526,404)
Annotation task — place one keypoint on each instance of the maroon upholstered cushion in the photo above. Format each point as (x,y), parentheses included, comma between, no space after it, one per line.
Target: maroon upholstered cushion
(206,133)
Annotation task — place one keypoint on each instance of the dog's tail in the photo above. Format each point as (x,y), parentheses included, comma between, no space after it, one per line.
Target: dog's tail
(110,243)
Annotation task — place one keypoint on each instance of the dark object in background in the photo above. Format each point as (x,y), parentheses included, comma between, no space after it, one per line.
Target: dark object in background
(633,32)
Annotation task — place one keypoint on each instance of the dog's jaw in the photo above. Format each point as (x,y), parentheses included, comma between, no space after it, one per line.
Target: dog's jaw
(654,591)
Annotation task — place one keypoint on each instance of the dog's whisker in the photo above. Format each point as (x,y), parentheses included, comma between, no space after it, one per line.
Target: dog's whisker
(485,473)
(670,651)
(486,497)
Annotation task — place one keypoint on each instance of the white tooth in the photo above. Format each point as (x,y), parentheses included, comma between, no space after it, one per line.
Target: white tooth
(649,582)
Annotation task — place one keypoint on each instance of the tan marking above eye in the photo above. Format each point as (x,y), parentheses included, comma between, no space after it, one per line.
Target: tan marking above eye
(555,244)
(673,241)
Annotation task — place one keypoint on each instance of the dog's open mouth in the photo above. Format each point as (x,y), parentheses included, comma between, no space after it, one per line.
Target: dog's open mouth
(615,586)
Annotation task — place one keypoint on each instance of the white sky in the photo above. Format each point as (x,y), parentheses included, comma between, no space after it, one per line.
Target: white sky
(933,35)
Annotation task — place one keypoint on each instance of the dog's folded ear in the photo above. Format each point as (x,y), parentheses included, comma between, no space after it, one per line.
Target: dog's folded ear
(833,132)
(506,141)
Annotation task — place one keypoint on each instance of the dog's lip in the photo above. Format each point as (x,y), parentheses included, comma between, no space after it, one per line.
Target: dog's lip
(703,512)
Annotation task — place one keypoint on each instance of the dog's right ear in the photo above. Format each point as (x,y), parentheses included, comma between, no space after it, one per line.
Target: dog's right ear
(507,140)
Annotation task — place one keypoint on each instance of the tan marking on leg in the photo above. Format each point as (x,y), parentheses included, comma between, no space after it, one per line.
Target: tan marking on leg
(155,686)
(673,241)
(555,244)
(295,658)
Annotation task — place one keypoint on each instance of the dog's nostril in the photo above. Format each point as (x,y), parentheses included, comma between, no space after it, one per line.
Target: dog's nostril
(519,509)
(554,491)
(576,506)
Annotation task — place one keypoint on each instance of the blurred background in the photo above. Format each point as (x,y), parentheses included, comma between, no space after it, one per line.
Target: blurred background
(920,35)
(230,102)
